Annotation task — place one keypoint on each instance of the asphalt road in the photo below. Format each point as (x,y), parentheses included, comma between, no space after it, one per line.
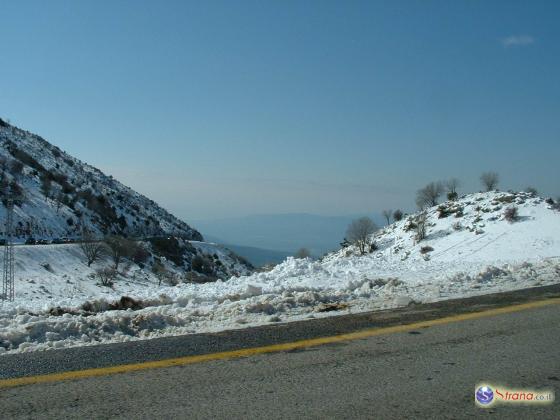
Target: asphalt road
(426,373)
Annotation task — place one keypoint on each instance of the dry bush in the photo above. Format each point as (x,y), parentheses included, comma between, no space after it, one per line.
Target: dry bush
(511,214)
(426,249)
(302,253)
(106,276)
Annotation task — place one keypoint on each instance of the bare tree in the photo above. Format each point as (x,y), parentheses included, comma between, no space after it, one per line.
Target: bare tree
(92,248)
(119,248)
(428,196)
(161,273)
(359,231)
(397,215)
(451,186)
(490,180)
(302,253)
(387,214)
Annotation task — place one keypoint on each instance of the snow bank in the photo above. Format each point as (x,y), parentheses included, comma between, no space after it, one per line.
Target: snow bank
(484,254)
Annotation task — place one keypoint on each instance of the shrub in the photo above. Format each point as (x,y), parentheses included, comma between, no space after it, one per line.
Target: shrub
(16,167)
(302,253)
(506,199)
(106,276)
(203,264)
(444,211)
(24,157)
(452,196)
(410,225)
(194,277)
(345,243)
(451,188)
(170,248)
(532,191)
(511,214)
(426,249)
(397,215)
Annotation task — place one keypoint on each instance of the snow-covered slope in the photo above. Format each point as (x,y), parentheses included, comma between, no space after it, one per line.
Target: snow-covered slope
(472,231)
(60,196)
(474,251)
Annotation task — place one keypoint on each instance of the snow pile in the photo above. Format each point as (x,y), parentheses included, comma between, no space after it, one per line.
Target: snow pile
(474,251)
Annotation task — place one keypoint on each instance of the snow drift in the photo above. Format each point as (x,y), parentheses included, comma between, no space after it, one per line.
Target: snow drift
(472,250)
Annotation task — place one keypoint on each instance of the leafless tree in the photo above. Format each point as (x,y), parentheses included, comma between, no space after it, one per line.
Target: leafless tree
(119,248)
(359,231)
(451,186)
(490,180)
(162,273)
(387,214)
(397,215)
(302,253)
(92,248)
(428,196)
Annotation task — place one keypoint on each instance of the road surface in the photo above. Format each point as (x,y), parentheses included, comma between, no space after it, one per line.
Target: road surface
(428,369)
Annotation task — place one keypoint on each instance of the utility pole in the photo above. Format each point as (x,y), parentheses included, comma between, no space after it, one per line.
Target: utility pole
(8,287)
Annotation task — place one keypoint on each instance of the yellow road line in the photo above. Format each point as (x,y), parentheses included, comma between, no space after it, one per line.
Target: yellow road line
(189,360)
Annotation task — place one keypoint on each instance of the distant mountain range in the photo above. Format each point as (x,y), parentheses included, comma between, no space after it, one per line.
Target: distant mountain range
(256,256)
(281,232)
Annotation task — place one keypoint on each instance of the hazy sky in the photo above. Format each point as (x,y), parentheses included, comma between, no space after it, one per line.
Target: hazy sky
(240,107)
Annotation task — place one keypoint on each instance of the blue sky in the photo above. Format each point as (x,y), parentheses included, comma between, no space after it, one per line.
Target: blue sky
(219,109)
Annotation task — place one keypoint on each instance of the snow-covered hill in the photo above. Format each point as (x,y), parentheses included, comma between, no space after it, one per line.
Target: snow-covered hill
(469,248)
(63,194)
(60,197)
(472,231)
